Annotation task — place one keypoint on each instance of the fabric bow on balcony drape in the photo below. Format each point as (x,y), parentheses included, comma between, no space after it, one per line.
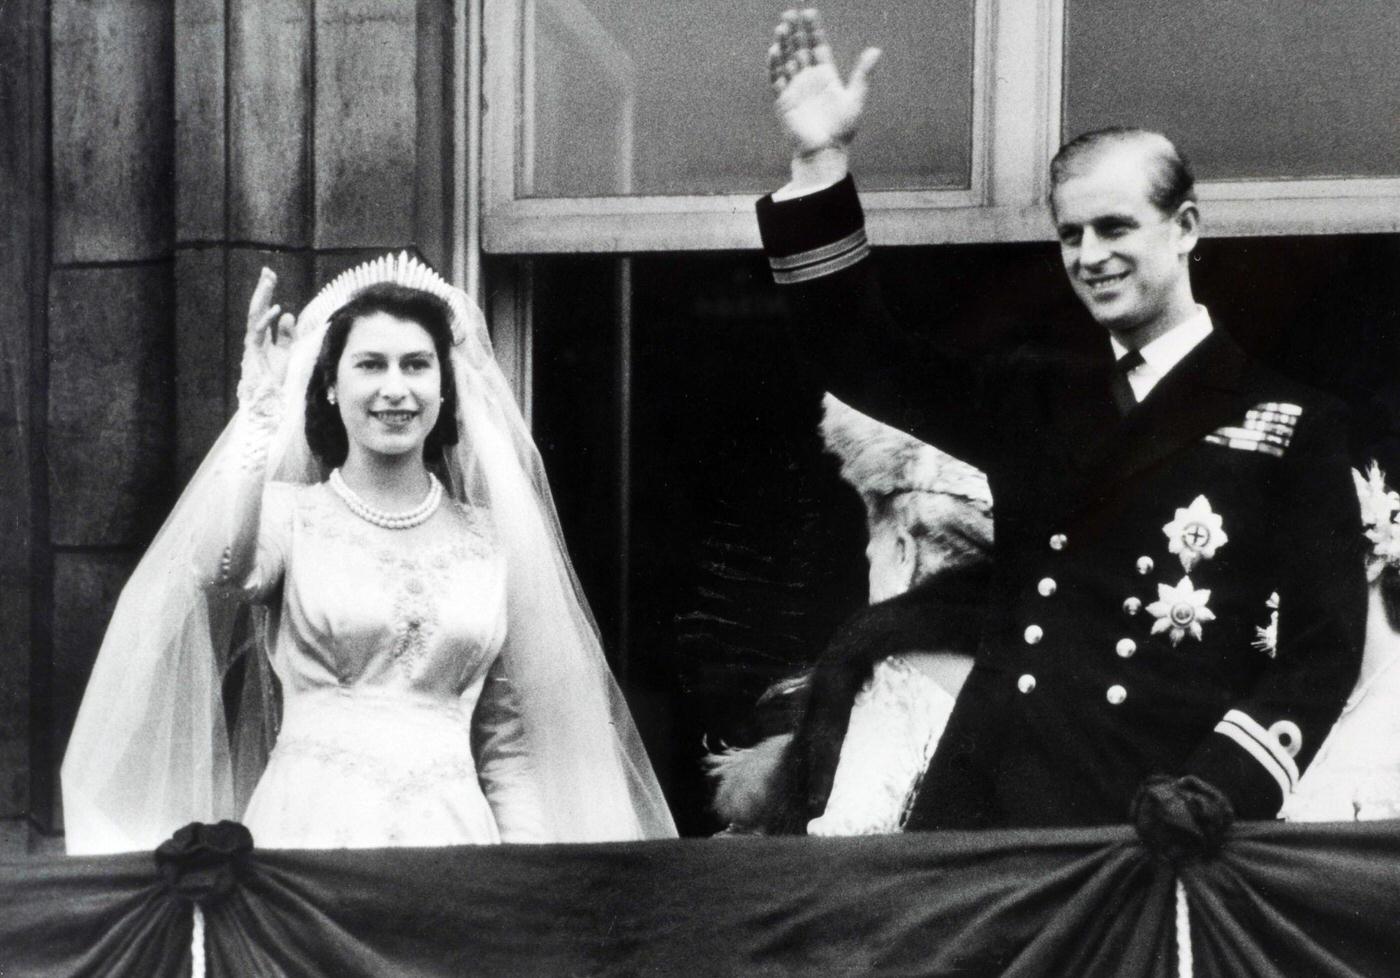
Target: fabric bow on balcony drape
(1277,900)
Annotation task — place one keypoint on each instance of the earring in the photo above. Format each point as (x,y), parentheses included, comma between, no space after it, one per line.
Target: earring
(330,396)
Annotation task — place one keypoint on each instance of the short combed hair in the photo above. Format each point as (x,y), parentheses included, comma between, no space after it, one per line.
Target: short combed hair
(1171,181)
(325,432)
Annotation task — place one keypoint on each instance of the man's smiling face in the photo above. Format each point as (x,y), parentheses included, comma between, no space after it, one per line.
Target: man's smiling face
(1125,258)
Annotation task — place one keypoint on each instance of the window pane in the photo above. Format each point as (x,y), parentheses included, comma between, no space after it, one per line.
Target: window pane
(624,97)
(1248,88)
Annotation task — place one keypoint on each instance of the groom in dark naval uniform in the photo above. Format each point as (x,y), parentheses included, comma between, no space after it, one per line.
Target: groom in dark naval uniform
(1178,597)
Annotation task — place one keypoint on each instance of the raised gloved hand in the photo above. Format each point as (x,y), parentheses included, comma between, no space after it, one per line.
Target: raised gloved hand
(265,342)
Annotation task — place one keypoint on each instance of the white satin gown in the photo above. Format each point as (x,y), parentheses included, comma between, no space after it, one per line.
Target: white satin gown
(1355,776)
(398,726)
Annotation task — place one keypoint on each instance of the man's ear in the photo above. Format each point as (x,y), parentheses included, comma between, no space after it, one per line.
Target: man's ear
(1187,220)
(908,550)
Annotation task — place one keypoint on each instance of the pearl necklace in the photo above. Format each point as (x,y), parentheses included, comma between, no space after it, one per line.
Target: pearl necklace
(390,521)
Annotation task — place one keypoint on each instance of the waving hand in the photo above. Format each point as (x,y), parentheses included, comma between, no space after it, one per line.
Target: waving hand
(816,109)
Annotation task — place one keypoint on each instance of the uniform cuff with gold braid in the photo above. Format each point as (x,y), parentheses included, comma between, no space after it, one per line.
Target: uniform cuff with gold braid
(1263,746)
(1248,763)
(815,235)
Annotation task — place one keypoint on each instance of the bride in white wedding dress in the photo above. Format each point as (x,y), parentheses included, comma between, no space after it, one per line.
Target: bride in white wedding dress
(1356,773)
(379,503)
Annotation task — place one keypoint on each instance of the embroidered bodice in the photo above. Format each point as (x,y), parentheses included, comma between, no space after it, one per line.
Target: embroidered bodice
(419,611)
(400,726)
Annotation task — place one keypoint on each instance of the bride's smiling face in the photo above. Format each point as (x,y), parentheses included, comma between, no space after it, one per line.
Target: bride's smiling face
(388,385)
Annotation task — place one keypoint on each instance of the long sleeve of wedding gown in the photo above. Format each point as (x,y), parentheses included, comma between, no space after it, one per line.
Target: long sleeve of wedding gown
(500,744)
(242,547)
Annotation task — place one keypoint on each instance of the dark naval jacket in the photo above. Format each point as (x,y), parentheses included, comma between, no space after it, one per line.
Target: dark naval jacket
(1179,590)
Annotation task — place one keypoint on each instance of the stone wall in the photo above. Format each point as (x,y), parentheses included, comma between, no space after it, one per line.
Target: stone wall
(162,154)
(22,240)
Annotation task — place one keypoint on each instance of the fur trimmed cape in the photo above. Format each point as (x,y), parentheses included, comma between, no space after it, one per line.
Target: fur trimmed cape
(779,785)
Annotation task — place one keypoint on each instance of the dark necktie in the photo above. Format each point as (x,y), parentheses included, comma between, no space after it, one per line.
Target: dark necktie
(1123,397)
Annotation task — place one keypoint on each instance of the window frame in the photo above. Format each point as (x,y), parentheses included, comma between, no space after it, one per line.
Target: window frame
(1017,115)
(515,224)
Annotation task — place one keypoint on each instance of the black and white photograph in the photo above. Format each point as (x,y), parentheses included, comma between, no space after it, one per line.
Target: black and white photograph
(710,488)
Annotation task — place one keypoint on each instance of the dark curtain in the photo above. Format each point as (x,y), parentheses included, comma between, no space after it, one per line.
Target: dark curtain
(1279,900)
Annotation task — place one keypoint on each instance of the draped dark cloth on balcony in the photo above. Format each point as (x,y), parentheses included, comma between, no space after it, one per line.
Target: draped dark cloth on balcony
(1278,900)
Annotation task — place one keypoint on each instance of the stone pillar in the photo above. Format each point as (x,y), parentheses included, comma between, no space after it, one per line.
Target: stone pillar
(109,423)
(23,262)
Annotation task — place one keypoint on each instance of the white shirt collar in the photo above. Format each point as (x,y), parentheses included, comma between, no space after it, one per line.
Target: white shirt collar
(1166,351)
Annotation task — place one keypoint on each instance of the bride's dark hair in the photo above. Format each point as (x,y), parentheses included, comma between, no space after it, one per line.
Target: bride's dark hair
(325,432)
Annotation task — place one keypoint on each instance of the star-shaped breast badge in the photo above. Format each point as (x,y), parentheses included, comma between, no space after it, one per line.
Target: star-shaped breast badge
(1180,610)
(1196,533)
